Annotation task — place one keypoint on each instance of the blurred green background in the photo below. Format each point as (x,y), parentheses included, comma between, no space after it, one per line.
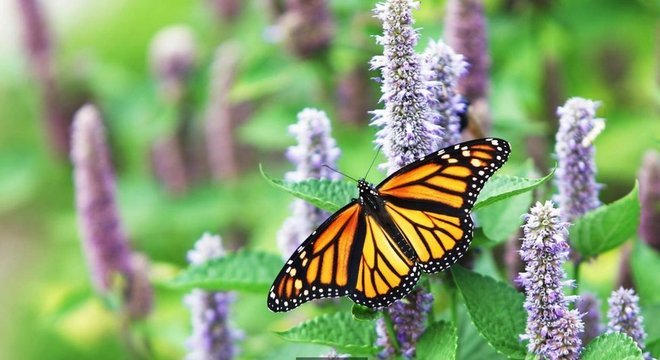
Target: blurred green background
(542,53)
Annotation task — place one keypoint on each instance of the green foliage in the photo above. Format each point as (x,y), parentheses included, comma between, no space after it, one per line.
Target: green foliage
(645,264)
(501,219)
(496,310)
(325,194)
(500,187)
(332,195)
(471,345)
(338,330)
(654,348)
(606,227)
(438,342)
(614,346)
(245,270)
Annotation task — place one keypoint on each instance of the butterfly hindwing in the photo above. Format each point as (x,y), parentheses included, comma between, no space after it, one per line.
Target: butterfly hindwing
(430,200)
(322,266)
(384,273)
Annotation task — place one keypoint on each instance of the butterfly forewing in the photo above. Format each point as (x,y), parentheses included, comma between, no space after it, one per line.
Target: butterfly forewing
(430,201)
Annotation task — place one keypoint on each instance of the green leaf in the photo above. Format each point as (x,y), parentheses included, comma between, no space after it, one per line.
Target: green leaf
(501,219)
(654,348)
(645,264)
(500,187)
(613,346)
(364,313)
(242,271)
(651,312)
(606,227)
(470,344)
(496,310)
(332,195)
(338,330)
(325,194)
(439,341)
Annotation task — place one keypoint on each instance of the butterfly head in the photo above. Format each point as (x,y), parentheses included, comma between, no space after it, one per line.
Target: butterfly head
(365,188)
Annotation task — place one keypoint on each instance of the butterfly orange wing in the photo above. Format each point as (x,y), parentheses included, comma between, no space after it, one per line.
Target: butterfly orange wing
(321,266)
(348,255)
(430,200)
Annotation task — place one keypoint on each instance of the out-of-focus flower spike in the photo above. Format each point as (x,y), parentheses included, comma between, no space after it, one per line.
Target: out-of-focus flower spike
(589,307)
(406,134)
(624,316)
(104,240)
(576,174)
(212,336)
(39,46)
(553,331)
(139,296)
(443,69)
(220,124)
(465,32)
(315,147)
(649,193)
(173,57)
(227,10)
(355,96)
(308,27)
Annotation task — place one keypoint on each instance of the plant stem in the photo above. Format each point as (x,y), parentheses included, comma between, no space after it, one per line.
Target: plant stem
(391,333)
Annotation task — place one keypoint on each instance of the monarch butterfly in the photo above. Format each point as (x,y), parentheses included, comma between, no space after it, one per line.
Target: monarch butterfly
(374,249)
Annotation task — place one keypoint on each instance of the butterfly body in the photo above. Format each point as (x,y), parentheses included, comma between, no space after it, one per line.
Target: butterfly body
(374,249)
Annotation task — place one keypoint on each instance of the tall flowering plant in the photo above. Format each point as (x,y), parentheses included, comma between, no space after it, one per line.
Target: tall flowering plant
(315,148)
(405,134)
(212,336)
(553,331)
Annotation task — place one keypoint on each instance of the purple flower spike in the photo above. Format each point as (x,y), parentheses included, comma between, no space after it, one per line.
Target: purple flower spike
(443,69)
(104,240)
(649,194)
(553,331)
(315,148)
(624,316)
(589,306)
(409,321)
(576,174)
(173,57)
(465,32)
(212,337)
(406,133)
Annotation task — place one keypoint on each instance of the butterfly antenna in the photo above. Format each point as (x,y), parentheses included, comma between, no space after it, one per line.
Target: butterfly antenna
(339,172)
(373,160)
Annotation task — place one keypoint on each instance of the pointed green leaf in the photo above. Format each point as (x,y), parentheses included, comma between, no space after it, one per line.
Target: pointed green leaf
(645,263)
(654,348)
(332,195)
(500,187)
(612,347)
(496,310)
(242,271)
(338,330)
(325,194)
(501,219)
(439,341)
(606,227)
(470,344)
